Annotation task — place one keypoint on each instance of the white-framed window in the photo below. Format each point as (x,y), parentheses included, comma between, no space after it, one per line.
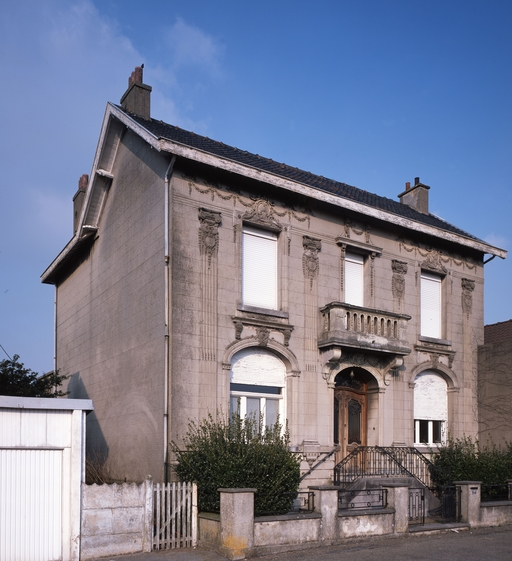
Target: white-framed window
(354,279)
(431,302)
(257,385)
(430,408)
(259,268)
(428,432)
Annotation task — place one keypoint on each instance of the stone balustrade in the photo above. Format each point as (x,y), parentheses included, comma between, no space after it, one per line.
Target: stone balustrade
(356,327)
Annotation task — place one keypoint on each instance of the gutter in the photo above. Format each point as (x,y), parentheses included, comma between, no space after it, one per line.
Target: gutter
(167,309)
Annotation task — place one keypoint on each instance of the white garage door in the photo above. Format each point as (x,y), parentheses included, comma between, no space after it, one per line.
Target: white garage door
(30,505)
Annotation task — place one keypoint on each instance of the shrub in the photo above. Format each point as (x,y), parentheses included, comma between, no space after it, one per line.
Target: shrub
(16,380)
(239,453)
(466,460)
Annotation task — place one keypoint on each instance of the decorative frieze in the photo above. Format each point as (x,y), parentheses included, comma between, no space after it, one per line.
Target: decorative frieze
(433,262)
(349,227)
(260,209)
(434,259)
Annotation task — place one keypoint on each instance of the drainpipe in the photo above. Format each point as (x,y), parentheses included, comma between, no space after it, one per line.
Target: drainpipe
(167,311)
(55,330)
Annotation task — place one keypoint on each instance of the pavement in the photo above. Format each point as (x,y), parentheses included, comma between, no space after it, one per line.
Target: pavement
(481,544)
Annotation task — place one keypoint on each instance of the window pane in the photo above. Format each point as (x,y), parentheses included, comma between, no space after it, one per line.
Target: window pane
(253,408)
(424,432)
(430,305)
(259,268)
(437,431)
(234,405)
(354,422)
(271,411)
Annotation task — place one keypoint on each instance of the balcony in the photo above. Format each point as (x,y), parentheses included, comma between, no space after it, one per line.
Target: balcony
(363,329)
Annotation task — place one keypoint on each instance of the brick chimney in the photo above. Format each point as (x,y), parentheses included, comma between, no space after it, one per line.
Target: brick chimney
(78,200)
(137,97)
(416,196)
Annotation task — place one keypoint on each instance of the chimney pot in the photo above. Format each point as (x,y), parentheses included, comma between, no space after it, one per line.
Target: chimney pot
(136,76)
(83,182)
(416,196)
(137,98)
(79,199)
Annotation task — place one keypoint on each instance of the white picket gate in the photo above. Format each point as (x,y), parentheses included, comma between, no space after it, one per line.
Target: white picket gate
(175,515)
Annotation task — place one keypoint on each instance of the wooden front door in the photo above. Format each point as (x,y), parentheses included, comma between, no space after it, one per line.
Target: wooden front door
(350,417)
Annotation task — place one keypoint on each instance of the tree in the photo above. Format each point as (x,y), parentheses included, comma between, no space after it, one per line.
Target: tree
(17,380)
(234,452)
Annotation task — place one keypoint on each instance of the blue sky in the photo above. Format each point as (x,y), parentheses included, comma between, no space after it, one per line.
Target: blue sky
(372,93)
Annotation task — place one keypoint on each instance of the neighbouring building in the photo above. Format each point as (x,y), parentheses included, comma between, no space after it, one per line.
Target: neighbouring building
(202,277)
(495,384)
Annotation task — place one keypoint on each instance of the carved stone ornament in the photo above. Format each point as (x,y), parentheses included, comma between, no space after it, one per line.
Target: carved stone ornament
(262,212)
(310,261)
(398,280)
(468,286)
(209,232)
(239,327)
(433,262)
(262,334)
(264,327)
(356,359)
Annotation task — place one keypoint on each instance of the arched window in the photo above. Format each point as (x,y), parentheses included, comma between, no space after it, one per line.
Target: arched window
(430,408)
(257,385)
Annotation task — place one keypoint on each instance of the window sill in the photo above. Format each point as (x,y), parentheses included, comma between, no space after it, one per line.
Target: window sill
(262,311)
(434,340)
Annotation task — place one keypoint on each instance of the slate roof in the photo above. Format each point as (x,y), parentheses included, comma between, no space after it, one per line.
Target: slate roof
(170,132)
(498,332)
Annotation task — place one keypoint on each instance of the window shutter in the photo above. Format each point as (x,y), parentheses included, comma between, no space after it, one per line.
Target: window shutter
(430,305)
(259,276)
(354,280)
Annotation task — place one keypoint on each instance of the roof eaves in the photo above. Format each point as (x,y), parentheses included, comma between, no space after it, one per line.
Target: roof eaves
(319,194)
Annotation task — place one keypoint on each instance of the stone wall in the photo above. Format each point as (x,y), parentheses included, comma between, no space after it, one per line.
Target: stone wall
(116,519)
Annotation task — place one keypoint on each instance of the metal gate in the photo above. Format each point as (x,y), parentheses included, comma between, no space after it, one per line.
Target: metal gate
(175,515)
(417,506)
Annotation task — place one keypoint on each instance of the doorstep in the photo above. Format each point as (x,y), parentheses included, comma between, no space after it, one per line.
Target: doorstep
(436,527)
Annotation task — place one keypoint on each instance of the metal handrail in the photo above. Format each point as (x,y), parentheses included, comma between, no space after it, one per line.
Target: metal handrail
(328,455)
(384,461)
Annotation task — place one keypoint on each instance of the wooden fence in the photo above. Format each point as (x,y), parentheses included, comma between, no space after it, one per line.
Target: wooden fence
(175,515)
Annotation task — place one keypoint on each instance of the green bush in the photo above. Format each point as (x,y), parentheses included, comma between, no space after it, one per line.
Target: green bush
(231,452)
(466,460)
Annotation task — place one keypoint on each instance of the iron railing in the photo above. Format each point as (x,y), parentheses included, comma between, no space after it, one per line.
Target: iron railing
(319,463)
(417,506)
(384,461)
(362,499)
(496,492)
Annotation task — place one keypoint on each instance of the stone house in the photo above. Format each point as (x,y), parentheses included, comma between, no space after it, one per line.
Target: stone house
(201,277)
(494,384)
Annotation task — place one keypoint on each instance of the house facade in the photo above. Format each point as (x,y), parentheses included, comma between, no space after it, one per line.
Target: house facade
(494,384)
(202,278)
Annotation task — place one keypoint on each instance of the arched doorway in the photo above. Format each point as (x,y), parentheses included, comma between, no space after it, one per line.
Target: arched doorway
(350,410)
